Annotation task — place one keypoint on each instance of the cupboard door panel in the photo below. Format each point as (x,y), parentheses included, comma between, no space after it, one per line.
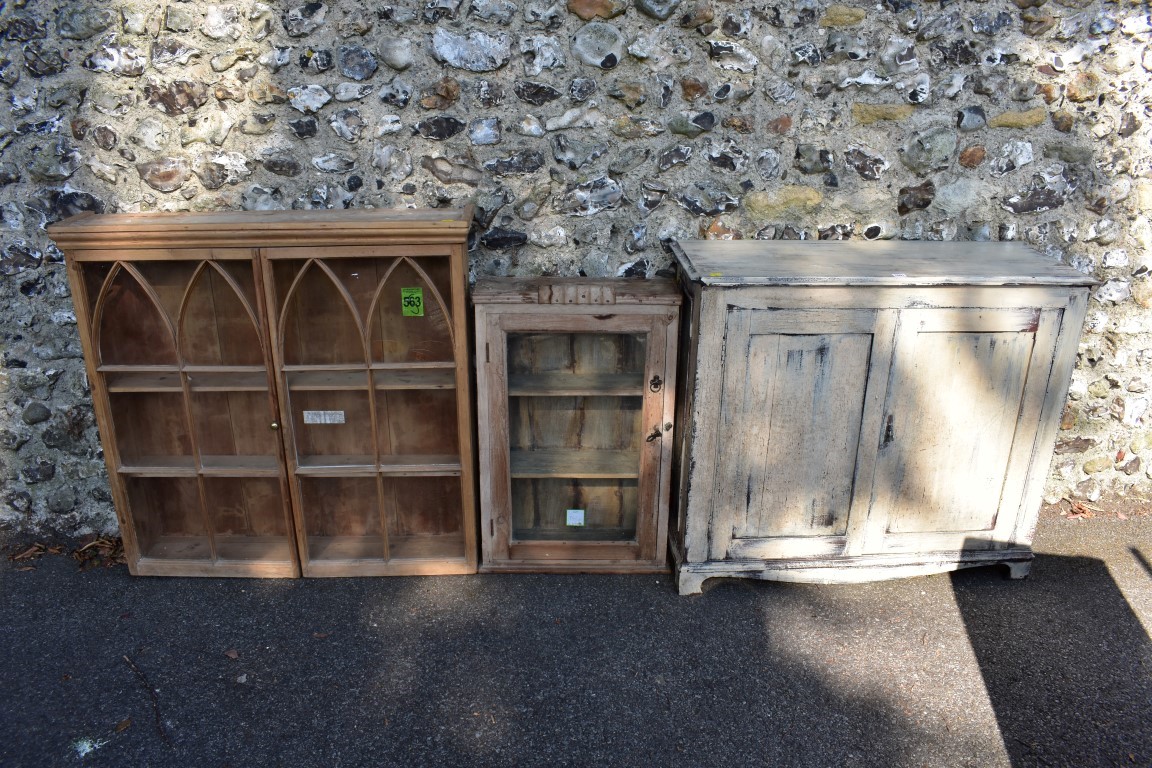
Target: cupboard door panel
(957,398)
(218,326)
(318,323)
(411,322)
(133,329)
(575,416)
(790,429)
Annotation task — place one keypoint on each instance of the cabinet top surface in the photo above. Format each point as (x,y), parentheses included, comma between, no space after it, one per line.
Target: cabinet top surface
(223,228)
(889,262)
(575,290)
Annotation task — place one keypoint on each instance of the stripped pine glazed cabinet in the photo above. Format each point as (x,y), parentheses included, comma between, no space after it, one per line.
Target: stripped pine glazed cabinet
(860,411)
(575,387)
(281,392)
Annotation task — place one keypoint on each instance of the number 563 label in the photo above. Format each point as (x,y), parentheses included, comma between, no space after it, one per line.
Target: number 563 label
(412,302)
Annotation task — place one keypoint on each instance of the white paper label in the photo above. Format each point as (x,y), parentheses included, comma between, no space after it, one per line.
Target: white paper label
(323,417)
(576,517)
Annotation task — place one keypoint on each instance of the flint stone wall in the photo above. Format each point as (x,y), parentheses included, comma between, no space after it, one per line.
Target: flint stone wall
(588,134)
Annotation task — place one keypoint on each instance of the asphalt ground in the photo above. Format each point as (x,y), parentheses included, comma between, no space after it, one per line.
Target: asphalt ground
(98,668)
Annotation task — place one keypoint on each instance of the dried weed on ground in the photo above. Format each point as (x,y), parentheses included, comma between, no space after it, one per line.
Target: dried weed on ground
(92,552)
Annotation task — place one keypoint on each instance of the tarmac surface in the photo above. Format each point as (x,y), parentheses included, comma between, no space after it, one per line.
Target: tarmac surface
(967,669)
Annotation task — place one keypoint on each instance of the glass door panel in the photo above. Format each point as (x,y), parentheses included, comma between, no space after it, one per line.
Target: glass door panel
(342,518)
(248,521)
(411,323)
(574,509)
(168,518)
(133,329)
(319,325)
(575,432)
(151,430)
(218,326)
(233,430)
(332,427)
(417,422)
(424,517)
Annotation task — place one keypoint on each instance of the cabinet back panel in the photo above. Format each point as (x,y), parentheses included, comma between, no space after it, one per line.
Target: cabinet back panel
(589,423)
(216,328)
(400,338)
(955,401)
(578,353)
(353,437)
(245,506)
(319,327)
(340,506)
(165,506)
(150,424)
(133,330)
(539,509)
(169,280)
(234,423)
(790,432)
(417,422)
(422,506)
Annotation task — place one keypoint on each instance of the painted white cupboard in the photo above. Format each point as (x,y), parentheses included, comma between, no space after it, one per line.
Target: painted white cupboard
(855,411)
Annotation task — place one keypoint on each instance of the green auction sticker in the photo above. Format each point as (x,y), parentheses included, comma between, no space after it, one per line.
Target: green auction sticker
(412,302)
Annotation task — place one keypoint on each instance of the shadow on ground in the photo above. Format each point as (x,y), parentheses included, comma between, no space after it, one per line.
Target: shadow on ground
(962,670)
(1066,662)
(526,670)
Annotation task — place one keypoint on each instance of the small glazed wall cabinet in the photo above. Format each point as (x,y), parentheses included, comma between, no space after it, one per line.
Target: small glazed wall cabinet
(281,392)
(575,390)
(853,411)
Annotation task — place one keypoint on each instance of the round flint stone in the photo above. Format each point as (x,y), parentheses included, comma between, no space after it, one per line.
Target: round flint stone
(357,62)
(304,19)
(930,149)
(582,89)
(971,119)
(484,131)
(396,52)
(83,23)
(599,45)
(308,99)
(165,174)
(474,52)
(661,10)
(439,128)
(35,413)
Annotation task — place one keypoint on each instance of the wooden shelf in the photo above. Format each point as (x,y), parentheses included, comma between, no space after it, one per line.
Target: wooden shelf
(142,381)
(360,548)
(232,548)
(240,466)
(573,534)
(420,465)
(446,546)
(228,381)
(352,464)
(415,378)
(213,466)
(259,549)
(337,465)
(158,466)
(570,384)
(242,378)
(382,378)
(575,463)
(328,379)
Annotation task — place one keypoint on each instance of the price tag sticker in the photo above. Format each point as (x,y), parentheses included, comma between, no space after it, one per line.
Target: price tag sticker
(323,417)
(576,518)
(412,302)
